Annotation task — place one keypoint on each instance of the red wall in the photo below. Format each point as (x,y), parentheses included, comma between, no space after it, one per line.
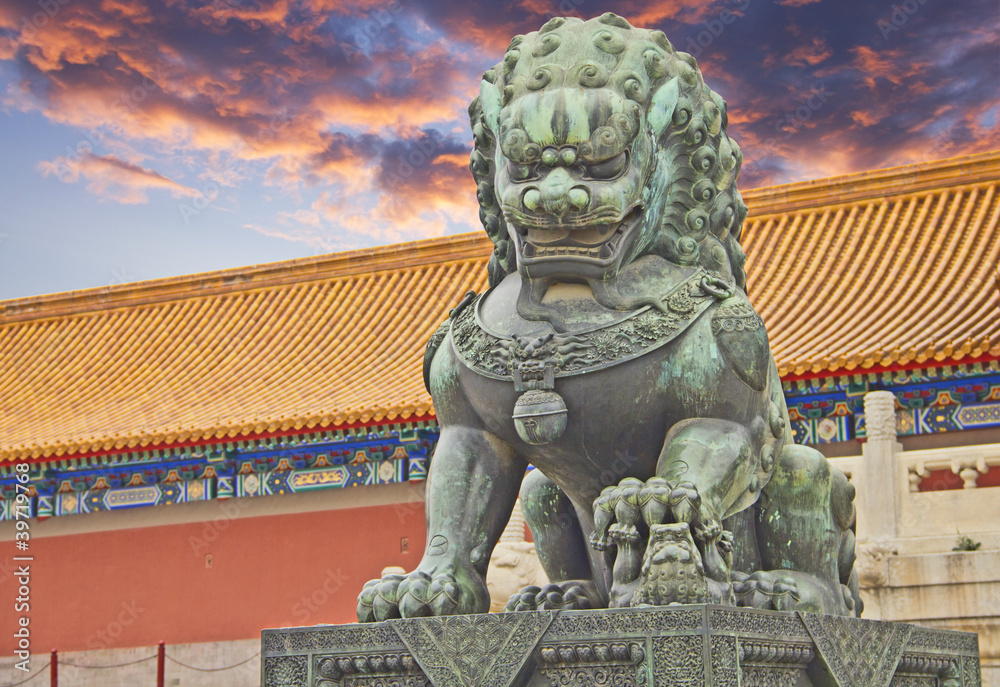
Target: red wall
(139,586)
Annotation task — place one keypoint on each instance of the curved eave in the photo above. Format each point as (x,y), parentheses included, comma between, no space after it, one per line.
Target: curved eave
(885,270)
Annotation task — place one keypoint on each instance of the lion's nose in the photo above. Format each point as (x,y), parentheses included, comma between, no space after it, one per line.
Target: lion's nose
(557,195)
(579,197)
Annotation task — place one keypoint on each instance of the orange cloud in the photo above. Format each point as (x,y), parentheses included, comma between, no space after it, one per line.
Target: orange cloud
(864,118)
(242,88)
(890,65)
(112,178)
(811,53)
(348,95)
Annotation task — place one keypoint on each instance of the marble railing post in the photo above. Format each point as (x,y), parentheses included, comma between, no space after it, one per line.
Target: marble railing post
(878,495)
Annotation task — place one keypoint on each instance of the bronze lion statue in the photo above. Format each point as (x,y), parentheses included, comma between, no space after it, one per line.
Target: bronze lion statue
(616,351)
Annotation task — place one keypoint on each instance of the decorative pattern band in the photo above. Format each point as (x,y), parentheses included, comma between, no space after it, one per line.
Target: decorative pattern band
(511,357)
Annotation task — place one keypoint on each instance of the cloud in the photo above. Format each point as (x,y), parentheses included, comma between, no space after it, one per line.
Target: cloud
(227,77)
(926,94)
(388,190)
(330,103)
(810,53)
(112,178)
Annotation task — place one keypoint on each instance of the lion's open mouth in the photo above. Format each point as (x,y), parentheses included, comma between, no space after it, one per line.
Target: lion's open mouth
(596,243)
(602,250)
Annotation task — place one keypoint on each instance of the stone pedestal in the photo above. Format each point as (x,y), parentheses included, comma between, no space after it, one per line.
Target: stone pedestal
(679,646)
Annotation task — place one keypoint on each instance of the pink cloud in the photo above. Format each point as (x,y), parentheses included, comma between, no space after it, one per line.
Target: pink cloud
(113,178)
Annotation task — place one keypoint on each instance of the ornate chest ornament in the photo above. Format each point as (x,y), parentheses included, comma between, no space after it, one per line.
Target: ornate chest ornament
(534,364)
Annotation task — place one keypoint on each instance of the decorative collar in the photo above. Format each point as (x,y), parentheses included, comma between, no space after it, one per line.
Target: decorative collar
(536,362)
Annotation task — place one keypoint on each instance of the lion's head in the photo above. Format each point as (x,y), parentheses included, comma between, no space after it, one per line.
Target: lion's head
(597,143)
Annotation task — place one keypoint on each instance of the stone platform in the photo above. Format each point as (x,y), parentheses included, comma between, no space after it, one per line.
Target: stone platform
(679,646)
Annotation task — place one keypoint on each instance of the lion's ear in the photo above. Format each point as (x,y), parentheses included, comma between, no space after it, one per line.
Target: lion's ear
(661,107)
(489,98)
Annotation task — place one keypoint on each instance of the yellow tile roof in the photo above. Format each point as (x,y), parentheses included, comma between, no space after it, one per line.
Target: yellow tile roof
(854,273)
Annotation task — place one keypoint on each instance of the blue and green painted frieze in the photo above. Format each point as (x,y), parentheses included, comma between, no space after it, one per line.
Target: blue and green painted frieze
(821,411)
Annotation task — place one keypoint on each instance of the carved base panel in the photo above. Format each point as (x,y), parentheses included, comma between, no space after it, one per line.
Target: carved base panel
(676,646)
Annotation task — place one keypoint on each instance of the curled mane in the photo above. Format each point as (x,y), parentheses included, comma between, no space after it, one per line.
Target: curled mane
(702,211)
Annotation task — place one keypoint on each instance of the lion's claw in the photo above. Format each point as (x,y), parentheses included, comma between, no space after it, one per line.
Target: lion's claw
(627,513)
(421,595)
(621,508)
(685,502)
(567,595)
(790,590)
(657,498)
(417,594)
(766,590)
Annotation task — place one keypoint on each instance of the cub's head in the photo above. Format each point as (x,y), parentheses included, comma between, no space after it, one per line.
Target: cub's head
(597,143)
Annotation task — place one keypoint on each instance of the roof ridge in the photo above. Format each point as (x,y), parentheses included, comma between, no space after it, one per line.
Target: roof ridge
(964,170)
(768,200)
(456,247)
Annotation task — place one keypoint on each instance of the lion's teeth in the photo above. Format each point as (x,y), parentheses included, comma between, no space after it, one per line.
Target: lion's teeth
(604,251)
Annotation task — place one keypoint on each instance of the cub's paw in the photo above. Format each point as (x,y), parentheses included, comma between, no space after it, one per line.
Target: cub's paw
(422,593)
(573,594)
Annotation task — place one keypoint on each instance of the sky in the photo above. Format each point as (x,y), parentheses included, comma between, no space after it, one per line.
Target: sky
(141,140)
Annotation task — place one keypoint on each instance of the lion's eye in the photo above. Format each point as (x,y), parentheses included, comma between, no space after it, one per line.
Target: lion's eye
(609,169)
(521,172)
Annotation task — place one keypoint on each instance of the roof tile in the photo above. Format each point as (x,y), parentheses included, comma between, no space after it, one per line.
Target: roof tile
(862,272)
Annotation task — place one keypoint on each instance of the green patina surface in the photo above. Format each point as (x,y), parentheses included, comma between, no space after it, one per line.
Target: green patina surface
(617,352)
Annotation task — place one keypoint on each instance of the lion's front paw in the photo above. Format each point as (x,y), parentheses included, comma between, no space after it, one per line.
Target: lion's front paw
(622,507)
(790,590)
(573,594)
(774,590)
(420,593)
